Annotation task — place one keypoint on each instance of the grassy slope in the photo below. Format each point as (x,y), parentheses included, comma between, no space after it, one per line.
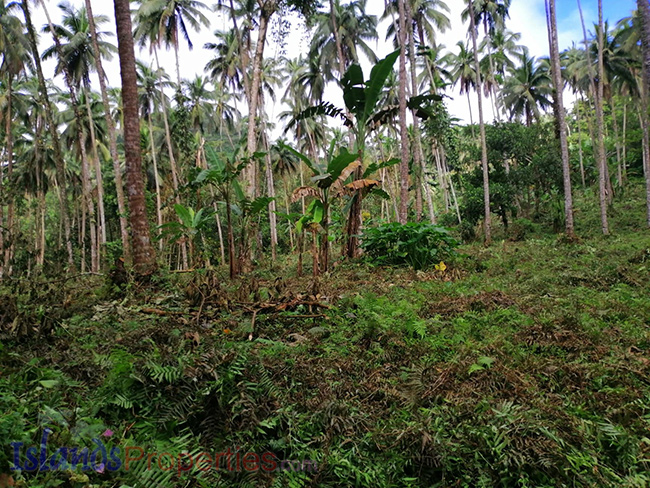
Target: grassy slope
(527,364)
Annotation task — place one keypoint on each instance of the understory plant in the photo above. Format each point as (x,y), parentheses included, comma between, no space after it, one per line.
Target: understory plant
(417,245)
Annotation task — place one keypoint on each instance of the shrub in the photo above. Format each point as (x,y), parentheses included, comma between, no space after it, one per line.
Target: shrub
(414,244)
(521,229)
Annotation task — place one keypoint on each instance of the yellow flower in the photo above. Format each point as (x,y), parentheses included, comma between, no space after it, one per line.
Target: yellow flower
(441,267)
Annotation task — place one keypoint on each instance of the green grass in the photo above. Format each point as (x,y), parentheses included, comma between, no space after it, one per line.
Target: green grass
(524,364)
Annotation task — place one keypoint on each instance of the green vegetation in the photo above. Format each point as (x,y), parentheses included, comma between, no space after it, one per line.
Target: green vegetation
(475,309)
(523,364)
(420,246)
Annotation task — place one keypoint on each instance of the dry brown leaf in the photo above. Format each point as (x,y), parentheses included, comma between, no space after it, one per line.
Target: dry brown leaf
(303,192)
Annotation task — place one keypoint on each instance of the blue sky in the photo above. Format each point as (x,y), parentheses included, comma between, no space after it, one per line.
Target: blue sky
(613,10)
(569,17)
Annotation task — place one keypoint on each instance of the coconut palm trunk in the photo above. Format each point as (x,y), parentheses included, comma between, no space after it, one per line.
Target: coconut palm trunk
(597,90)
(112,137)
(5,269)
(81,141)
(600,121)
(170,152)
(156,178)
(484,158)
(644,13)
(418,153)
(58,154)
(268,8)
(558,86)
(270,189)
(101,227)
(404,137)
(144,259)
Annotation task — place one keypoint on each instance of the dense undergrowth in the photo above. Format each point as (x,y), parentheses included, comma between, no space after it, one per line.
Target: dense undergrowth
(523,364)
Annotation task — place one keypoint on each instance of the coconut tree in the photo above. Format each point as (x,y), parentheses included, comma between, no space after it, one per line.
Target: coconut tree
(596,79)
(200,102)
(462,71)
(76,57)
(112,137)
(150,92)
(644,13)
(144,259)
(429,17)
(168,20)
(558,86)
(404,136)
(341,34)
(484,157)
(226,66)
(527,89)
(52,129)
(492,15)
(14,52)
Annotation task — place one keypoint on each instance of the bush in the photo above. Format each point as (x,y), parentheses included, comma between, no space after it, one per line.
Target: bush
(414,244)
(521,229)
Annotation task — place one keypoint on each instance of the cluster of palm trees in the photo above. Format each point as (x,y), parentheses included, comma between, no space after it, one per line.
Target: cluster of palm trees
(64,144)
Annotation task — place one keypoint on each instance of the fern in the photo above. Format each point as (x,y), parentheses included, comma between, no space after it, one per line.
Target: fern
(165,374)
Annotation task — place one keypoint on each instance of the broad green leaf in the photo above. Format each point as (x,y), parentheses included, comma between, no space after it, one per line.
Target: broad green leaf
(260,204)
(374,167)
(353,90)
(418,103)
(301,156)
(340,162)
(375,85)
(239,192)
(185,214)
(318,211)
(380,193)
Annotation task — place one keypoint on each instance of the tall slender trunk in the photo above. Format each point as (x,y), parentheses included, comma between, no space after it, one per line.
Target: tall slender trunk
(98,170)
(144,259)
(170,152)
(168,134)
(49,117)
(600,118)
(156,179)
(453,191)
(484,156)
(644,12)
(418,153)
(112,138)
(558,86)
(270,185)
(404,137)
(178,65)
(81,140)
(471,116)
(250,172)
(597,90)
(624,139)
(9,230)
(580,153)
(619,166)
(39,223)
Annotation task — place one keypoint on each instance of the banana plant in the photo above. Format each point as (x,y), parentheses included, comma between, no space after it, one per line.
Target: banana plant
(188,227)
(361,115)
(222,174)
(329,182)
